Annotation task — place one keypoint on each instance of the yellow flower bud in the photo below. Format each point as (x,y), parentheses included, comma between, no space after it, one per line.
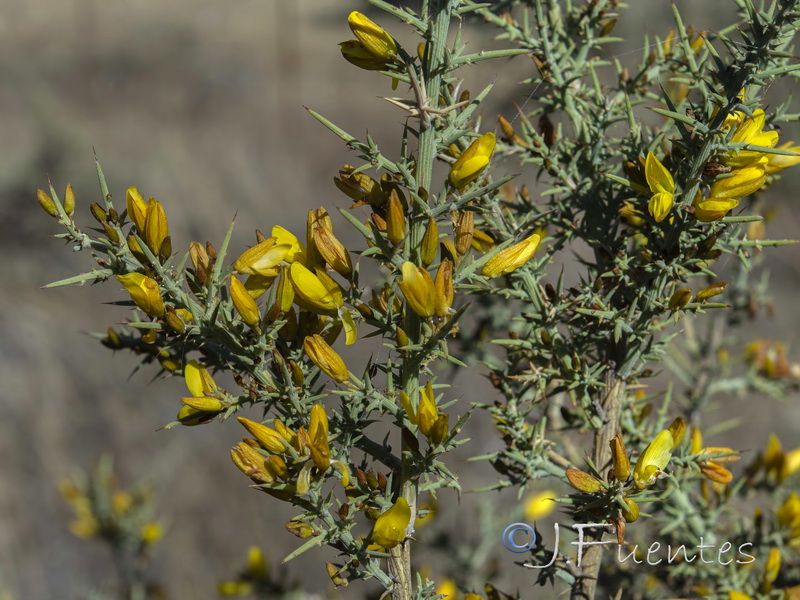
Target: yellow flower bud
(444,288)
(256,564)
(715,289)
(750,131)
(137,209)
(440,429)
(418,290)
(244,303)
(315,292)
(46,202)
(210,405)
(472,161)
(677,429)
(740,182)
(652,462)
(430,243)
(632,512)
(679,299)
(464,227)
(405,402)
(144,292)
(156,228)
(511,258)
(390,528)
(662,185)
(326,358)
(482,242)
(583,481)
(427,413)
(262,259)
(395,219)
(375,39)
(189,417)
(268,438)
(150,533)
(707,210)
(69,200)
(622,465)
(332,251)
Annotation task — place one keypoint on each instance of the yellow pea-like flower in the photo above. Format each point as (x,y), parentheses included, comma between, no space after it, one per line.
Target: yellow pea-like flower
(395,219)
(284,237)
(262,259)
(779,162)
(315,291)
(662,185)
(679,299)
(620,461)
(734,595)
(190,417)
(357,54)
(472,161)
(430,242)
(740,182)
(244,304)
(390,528)
(268,438)
(750,131)
(326,358)
(511,258)
(427,413)
(652,462)
(707,210)
(418,289)
(144,292)
(318,437)
(375,40)
(137,208)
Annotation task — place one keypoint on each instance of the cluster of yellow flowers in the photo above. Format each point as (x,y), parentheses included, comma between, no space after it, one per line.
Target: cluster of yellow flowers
(254,573)
(741,171)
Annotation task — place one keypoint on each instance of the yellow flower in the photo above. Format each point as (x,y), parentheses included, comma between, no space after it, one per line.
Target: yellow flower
(713,209)
(375,39)
(789,517)
(651,464)
(268,438)
(538,506)
(679,299)
(511,258)
(427,413)
(356,54)
(390,528)
(620,460)
(662,185)
(315,292)
(750,131)
(418,290)
(326,358)
(144,292)
(444,288)
(137,208)
(740,182)
(318,438)
(284,237)
(262,259)
(779,162)
(472,161)
(395,219)
(734,595)
(448,589)
(151,532)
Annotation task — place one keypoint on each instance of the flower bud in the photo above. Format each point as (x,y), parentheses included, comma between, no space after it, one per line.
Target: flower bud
(395,219)
(430,243)
(632,512)
(144,292)
(268,438)
(444,288)
(472,161)
(46,202)
(334,574)
(390,528)
(583,481)
(679,299)
(69,200)
(440,430)
(210,405)
(509,259)
(482,242)
(111,234)
(300,529)
(677,429)
(427,413)
(98,213)
(622,465)
(326,358)
(137,209)
(710,291)
(375,39)
(464,227)
(332,251)
(244,303)
(418,290)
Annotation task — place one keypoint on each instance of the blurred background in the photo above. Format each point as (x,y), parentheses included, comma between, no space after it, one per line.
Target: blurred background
(200,104)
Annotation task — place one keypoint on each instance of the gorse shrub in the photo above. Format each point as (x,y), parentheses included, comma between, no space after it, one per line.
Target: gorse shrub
(648,177)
